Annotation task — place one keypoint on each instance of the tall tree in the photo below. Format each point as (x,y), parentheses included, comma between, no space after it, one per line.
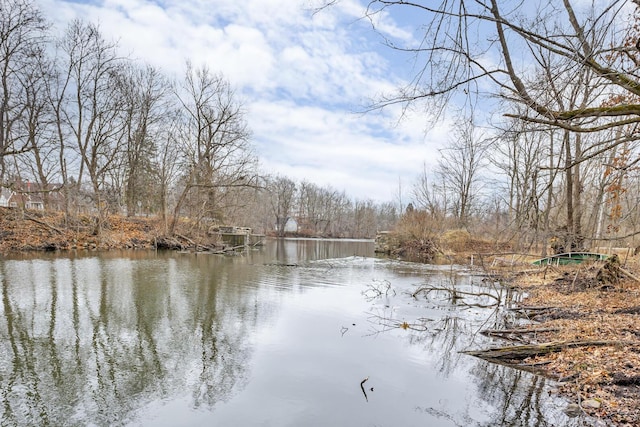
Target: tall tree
(520,154)
(282,192)
(146,113)
(460,166)
(93,106)
(429,196)
(22,39)
(215,144)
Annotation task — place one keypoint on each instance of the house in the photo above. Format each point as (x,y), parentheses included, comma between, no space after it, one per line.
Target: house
(26,200)
(5,196)
(29,199)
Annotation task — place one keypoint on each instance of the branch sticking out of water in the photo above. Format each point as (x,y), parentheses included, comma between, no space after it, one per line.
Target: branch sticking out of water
(362,388)
(378,289)
(458,295)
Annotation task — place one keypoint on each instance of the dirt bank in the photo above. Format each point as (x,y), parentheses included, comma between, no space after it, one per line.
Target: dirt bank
(49,231)
(585,333)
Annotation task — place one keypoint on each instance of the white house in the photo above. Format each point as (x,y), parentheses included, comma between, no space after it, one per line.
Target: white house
(5,196)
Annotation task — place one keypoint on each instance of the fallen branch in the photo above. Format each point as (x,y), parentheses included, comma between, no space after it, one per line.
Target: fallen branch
(629,274)
(518,331)
(37,221)
(233,248)
(378,289)
(531,312)
(520,352)
(515,334)
(186,239)
(533,308)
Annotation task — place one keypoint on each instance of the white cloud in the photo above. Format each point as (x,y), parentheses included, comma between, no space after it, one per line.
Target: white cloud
(301,76)
(337,148)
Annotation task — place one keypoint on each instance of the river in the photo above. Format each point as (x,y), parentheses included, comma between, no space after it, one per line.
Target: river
(297,333)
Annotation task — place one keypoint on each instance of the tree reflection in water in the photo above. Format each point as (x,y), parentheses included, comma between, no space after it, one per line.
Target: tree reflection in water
(518,398)
(103,337)
(110,339)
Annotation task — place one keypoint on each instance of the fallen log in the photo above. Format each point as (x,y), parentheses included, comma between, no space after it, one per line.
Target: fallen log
(532,308)
(455,293)
(515,334)
(531,312)
(518,331)
(520,352)
(629,274)
(226,250)
(186,239)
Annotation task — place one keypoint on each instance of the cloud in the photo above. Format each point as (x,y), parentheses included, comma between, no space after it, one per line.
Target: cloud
(344,150)
(302,77)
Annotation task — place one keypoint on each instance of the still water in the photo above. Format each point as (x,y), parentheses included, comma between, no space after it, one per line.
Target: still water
(281,336)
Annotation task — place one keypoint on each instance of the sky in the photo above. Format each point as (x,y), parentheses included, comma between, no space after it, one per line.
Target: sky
(304,79)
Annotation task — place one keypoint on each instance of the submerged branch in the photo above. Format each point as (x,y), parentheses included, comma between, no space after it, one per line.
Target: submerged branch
(457,294)
(389,324)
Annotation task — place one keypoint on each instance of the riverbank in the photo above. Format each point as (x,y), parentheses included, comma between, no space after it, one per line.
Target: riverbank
(39,231)
(574,326)
(581,332)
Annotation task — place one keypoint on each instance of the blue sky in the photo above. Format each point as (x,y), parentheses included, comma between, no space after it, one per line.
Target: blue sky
(302,79)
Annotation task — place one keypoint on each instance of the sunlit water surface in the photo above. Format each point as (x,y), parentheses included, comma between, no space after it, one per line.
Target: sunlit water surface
(281,336)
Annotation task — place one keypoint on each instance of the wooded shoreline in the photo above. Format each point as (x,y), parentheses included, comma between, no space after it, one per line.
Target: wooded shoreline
(22,230)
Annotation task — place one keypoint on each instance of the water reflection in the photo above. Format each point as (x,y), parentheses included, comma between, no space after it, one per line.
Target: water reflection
(94,338)
(503,396)
(271,337)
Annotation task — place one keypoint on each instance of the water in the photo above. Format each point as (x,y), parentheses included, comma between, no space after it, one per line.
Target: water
(282,336)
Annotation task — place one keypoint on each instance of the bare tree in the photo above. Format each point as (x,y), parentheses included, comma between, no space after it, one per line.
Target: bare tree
(22,38)
(365,219)
(451,58)
(519,153)
(427,196)
(282,197)
(147,107)
(338,211)
(40,159)
(308,207)
(215,148)
(168,165)
(324,211)
(93,106)
(459,166)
